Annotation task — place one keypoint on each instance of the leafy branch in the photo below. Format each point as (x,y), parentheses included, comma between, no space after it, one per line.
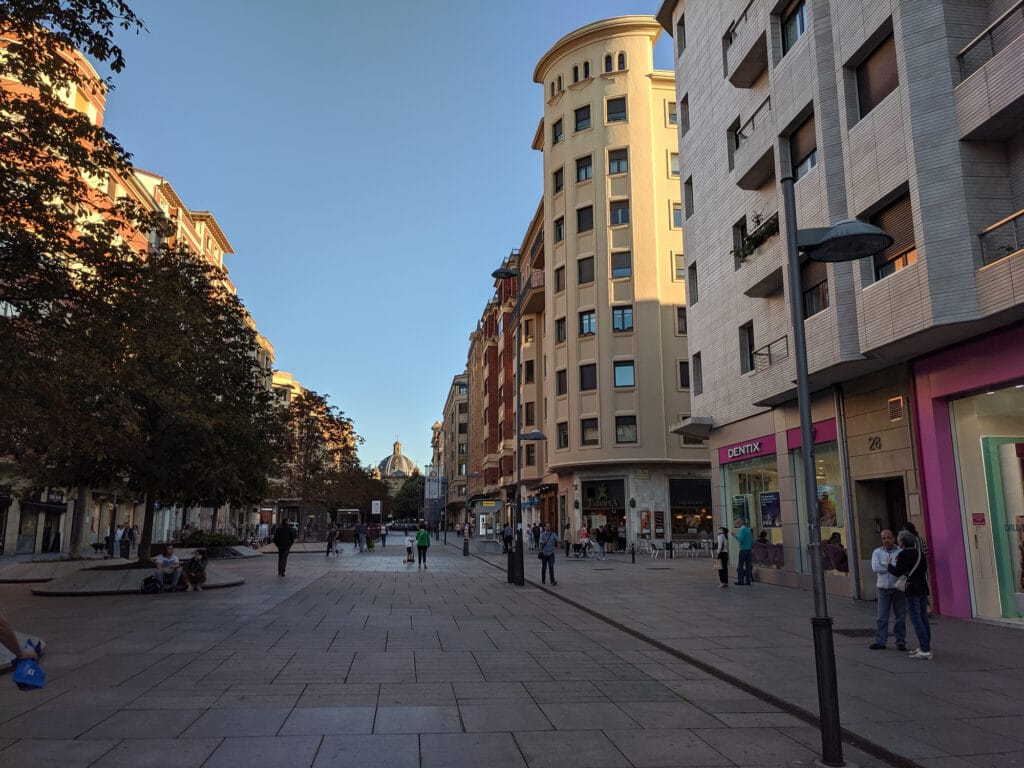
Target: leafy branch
(764,230)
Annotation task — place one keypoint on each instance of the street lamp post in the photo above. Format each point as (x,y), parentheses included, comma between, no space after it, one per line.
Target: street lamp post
(848,240)
(516,567)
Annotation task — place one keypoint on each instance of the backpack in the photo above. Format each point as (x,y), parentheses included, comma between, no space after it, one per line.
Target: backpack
(151,585)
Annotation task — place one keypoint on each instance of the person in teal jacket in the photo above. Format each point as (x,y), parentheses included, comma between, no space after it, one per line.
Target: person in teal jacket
(744,557)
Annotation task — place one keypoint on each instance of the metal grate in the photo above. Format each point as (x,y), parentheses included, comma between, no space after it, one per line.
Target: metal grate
(896,405)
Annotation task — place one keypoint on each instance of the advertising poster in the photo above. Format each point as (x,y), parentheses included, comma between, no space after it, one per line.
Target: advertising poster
(771,509)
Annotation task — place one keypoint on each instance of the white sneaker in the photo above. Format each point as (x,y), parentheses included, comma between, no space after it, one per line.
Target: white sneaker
(188,588)
(919,654)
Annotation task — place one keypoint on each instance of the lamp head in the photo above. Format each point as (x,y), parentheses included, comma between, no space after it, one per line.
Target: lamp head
(849,240)
(504,273)
(534,435)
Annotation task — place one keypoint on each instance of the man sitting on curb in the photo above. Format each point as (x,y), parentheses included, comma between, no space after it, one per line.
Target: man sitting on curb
(168,568)
(194,571)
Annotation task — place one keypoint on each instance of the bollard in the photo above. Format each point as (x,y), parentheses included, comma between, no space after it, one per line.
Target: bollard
(632,552)
(465,545)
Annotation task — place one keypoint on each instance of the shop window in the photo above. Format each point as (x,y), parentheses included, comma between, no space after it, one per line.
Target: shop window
(752,492)
(828,505)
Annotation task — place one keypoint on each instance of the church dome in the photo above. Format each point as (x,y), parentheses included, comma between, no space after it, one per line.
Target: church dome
(397,464)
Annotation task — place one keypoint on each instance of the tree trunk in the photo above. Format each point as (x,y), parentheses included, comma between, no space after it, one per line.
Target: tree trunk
(77,519)
(145,545)
(213,519)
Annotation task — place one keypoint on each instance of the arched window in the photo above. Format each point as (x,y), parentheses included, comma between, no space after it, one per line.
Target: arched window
(552,89)
(608,63)
(586,69)
(622,61)
(559,83)
(575,74)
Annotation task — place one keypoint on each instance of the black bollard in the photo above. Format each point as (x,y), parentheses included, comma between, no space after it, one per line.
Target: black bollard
(632,552)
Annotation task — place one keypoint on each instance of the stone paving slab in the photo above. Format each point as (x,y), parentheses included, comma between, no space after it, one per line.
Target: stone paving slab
(323,668)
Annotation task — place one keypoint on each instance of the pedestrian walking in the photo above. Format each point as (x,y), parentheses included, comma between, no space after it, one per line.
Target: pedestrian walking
(722,556)
(422,545)
(332,536)
(408,548)
(548,547)
(383,536)
(567,538)
(284,537)
(910,562)
(744,555)
(890,599)
(599,537)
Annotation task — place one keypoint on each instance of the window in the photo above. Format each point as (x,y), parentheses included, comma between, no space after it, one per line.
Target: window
(684,374)
(618,212)
(584,219)
(552,89)
(462,388)
(618,161)
(530,455)
(673,114)
(803,149)
(622,318)
(561,382)
(877,76)
(463,449)
(622,264)
(588,377)
(559,330)
(739,243)
(673,164)
(617,110)
(677,215)
(679,267)
(814,281)
(559,229)
(588,322)
(747,347)
(589,434)
(463,427)
(529,414)
(688,196)
(575,74)
(584,168)
(557,181)
(794,24)
(684,115)
(562,434)
(625,374)
(697,382)
(463,407)
(560,88)
(691,284)
(622,61)
(585,270)
(559,279)
(586,70)
(625,429)
(681,321)
(556,132)
(528,372)
(681,35)
(898,220)
(583,118)
(527,330)
(608,63)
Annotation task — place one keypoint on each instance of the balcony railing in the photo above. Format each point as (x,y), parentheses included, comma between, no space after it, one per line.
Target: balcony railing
(772,353)
(736,27)
(1003,238)
(755,121)
(997,36)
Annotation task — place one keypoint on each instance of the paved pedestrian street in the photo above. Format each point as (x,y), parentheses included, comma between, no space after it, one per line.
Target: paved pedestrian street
(366,661)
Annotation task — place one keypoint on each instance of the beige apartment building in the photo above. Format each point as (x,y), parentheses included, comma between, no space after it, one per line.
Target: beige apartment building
(907,115)
(451,452)
(603,297)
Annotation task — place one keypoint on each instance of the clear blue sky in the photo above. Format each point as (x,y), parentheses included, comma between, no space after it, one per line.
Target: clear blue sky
(371,165)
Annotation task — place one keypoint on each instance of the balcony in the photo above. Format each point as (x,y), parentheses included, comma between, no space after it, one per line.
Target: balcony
(1002,239)
(990,96)
(532,295)
(769,354)
(753,153)
(745,47)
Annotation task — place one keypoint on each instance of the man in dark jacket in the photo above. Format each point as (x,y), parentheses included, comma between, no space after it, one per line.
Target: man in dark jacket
(284,537)
(910,562)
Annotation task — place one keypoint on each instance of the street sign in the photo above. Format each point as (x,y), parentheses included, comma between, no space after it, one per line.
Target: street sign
(375,507)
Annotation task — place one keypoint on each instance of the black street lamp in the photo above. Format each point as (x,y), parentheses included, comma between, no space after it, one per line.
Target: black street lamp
(848,240)
(516,567)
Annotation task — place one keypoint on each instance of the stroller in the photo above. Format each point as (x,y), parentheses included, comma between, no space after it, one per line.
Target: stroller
(583,549)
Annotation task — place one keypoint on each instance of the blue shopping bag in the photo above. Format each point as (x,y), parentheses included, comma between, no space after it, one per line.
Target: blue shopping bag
(28,675)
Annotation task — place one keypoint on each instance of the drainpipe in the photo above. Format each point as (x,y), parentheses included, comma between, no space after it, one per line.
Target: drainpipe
(844,467)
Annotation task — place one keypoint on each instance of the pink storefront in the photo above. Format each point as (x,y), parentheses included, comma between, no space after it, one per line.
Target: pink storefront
(969,412)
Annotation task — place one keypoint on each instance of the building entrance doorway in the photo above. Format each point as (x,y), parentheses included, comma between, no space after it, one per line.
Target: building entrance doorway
(881,505)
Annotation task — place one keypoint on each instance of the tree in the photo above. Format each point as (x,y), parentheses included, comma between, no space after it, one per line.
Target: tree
(56,225)
(408,501)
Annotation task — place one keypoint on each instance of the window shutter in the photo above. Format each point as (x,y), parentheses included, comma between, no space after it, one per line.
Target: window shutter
(813,273)
(898,220)
(877,76)
(803,142)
